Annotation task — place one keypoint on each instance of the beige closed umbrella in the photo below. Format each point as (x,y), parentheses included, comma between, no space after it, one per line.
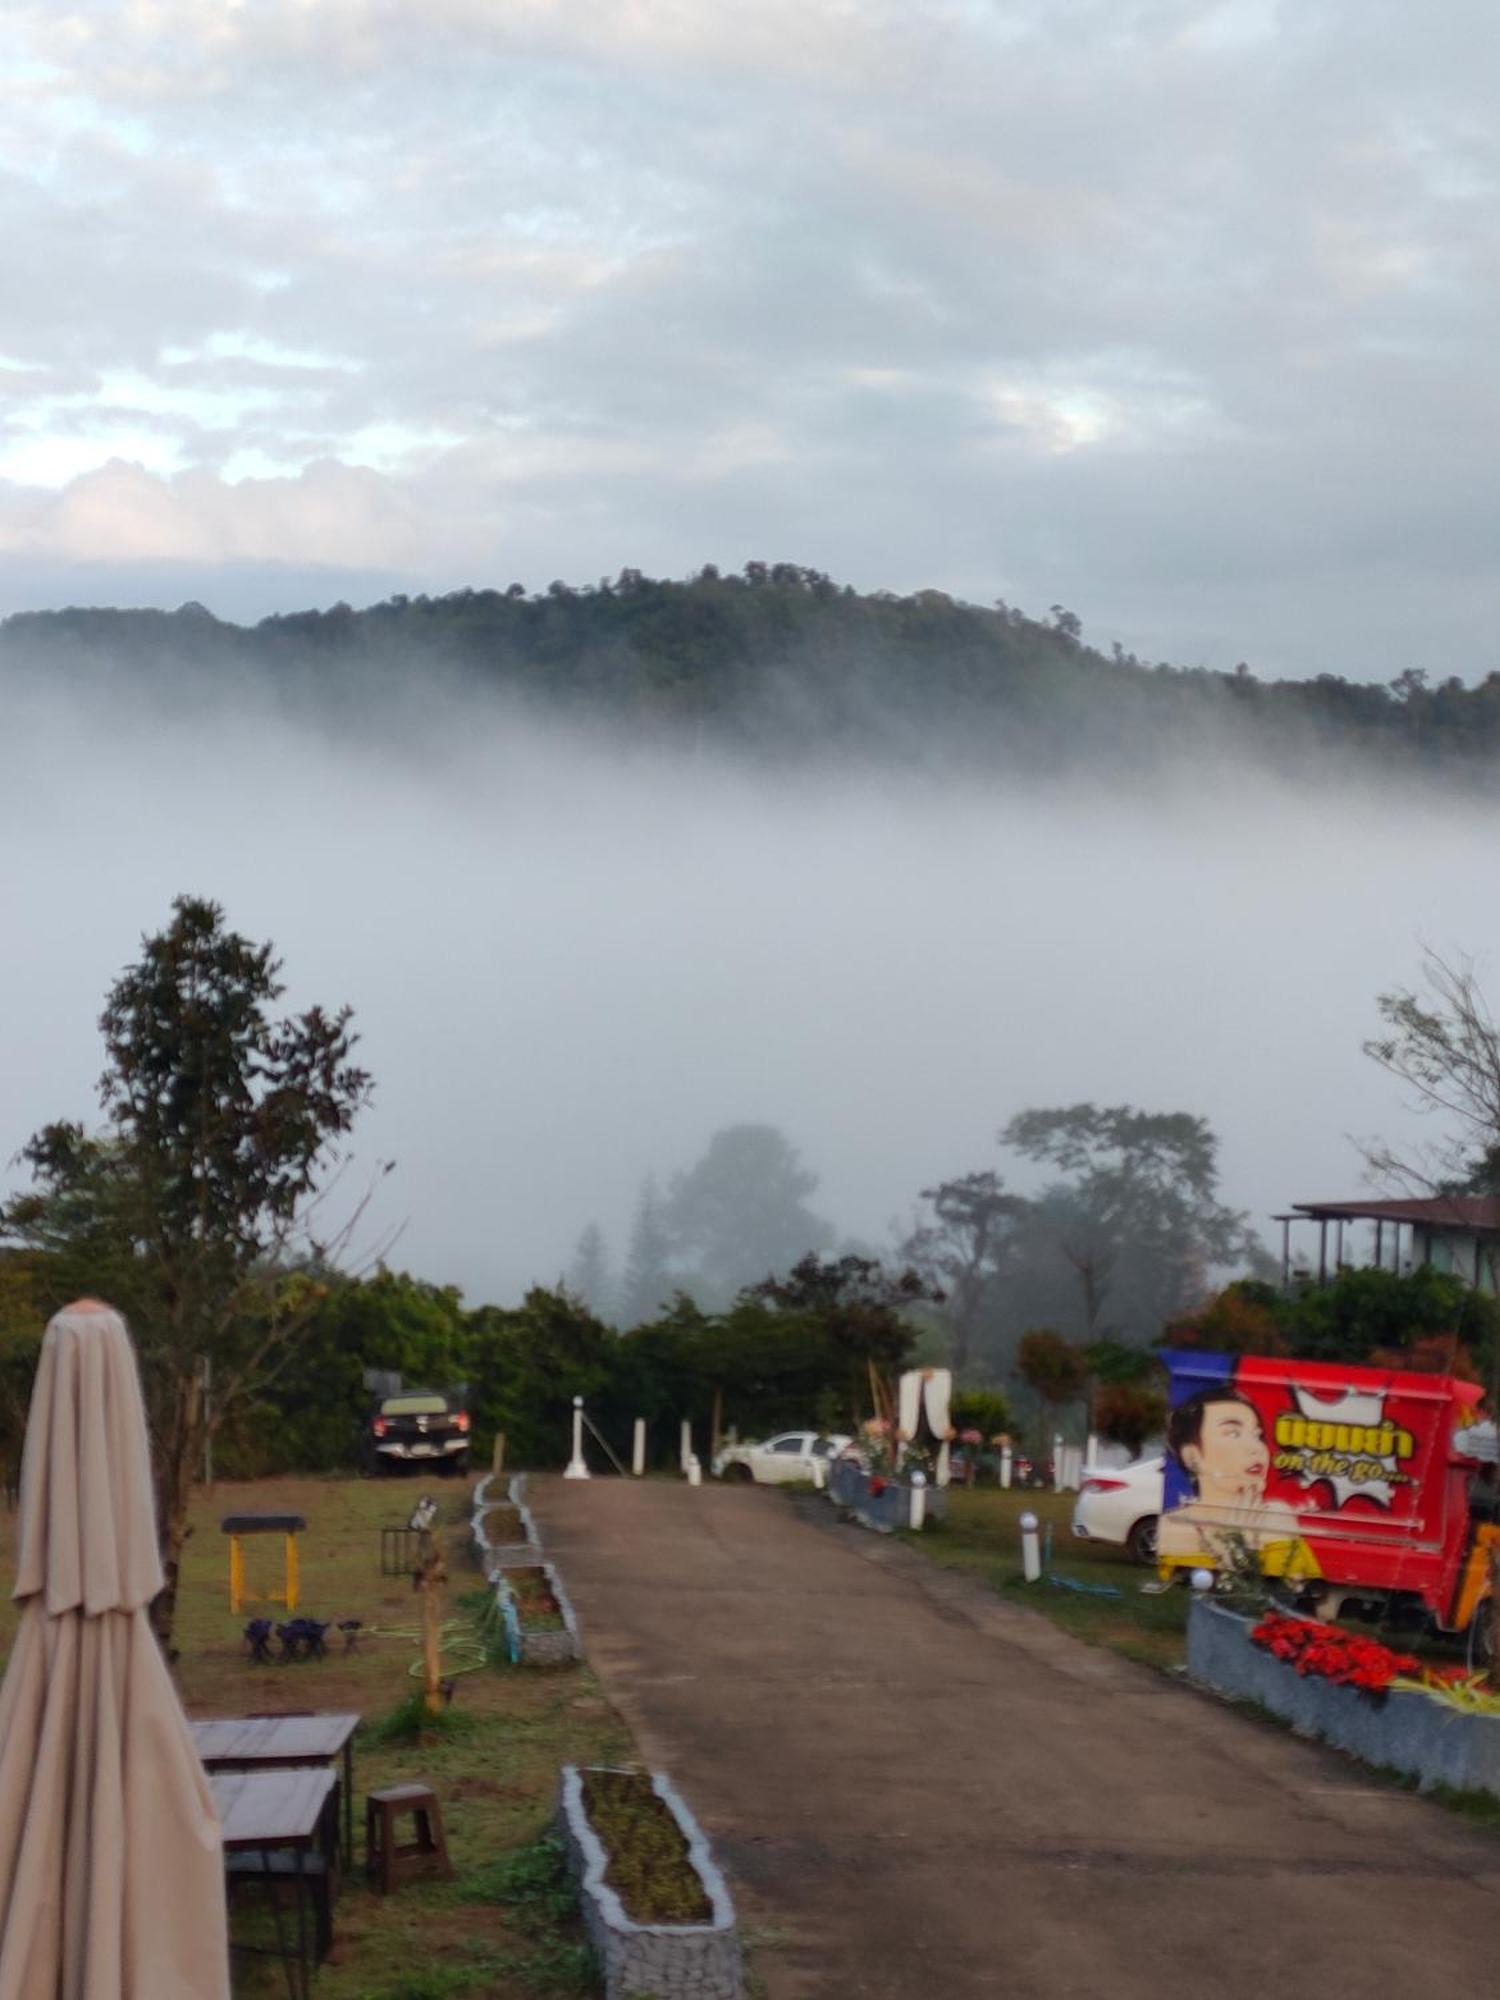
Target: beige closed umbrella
(111,1869)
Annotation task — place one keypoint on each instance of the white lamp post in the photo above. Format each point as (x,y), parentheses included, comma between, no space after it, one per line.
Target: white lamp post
(1031,1549)
(576,1469)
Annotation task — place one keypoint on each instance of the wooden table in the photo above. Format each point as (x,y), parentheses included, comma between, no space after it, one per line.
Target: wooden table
(261,1742)
(281,1811)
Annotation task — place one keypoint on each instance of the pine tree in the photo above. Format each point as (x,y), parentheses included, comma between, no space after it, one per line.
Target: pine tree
(648,1282)
(589,1277)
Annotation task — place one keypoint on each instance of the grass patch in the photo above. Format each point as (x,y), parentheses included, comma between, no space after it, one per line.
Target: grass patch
(492,1758)
(412,1721)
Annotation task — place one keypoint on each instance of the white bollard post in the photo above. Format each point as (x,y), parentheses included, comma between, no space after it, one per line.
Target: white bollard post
(1091,1453)
(1031,1551)
(918,1501)
(638,1448)
(576,1469)
(1005,1466)
(943,1466)
(694,1471)
(1057,1464)
(685,1450)
(820,1474)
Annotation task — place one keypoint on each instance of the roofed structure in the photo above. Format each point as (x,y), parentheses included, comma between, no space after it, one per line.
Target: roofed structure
(1456,1232)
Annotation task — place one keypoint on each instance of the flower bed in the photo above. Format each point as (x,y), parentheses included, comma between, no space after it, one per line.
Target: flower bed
(1339,1689)
(540,1628)
(879,1502)
(1348,1659)
(654,1904)
(503,1530)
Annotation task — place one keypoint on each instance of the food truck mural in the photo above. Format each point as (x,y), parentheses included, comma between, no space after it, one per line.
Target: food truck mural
(1362,1482)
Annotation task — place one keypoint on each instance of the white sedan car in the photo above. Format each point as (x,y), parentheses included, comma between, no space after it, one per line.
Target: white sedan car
(1121,1504)
(779,1460)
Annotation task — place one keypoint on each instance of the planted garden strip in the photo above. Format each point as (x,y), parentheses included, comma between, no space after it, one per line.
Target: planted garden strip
(881,1504)
(633,1846)
(541,1629)
(503,1531)
(1410,1732)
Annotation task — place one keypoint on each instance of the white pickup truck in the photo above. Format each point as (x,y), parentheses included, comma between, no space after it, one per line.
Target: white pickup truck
(787,1456)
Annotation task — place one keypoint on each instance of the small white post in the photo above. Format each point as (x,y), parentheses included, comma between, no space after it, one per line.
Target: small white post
(944,1469)
(1057,1464)
(1091,1453)
(576,1469)
(638,1448)
(918,1500)
(820,1473)
(1005,1466)
(685,1450)
(694,1470)
(1031,1549)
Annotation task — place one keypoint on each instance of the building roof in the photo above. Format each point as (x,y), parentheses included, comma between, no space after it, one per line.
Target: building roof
(1479,1213)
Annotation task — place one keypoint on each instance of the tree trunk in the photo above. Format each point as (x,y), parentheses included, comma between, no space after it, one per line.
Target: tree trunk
(178,1454)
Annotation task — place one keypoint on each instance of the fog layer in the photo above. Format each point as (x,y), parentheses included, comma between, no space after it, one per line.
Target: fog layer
(570,965)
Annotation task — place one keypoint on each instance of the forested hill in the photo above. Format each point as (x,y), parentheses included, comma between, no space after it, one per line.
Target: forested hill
(780,659)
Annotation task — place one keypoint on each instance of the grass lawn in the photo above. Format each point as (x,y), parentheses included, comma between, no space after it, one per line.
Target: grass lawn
(505,1928)
(982,1536)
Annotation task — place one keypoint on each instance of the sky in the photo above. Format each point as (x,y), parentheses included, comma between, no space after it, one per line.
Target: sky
(1180,315)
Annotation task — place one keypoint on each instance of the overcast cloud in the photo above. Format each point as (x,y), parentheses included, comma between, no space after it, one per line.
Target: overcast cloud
(1180,314)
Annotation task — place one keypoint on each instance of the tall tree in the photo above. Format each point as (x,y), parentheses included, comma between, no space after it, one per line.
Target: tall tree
(1446,1049)
(739,1214)
(198,1197)
(647,1284)
(1137,1218)
(589,1277)
(964,1250)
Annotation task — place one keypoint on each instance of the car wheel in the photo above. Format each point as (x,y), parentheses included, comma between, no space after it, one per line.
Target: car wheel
(1481,1648)
(740,1473)
(1141,1541)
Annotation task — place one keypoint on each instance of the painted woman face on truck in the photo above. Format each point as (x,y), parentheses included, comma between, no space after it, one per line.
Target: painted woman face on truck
(1216,1437)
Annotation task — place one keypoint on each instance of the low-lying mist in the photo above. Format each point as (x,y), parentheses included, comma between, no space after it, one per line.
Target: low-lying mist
(572,962)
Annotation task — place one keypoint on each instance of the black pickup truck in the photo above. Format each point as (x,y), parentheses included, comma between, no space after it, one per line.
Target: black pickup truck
(418,1428)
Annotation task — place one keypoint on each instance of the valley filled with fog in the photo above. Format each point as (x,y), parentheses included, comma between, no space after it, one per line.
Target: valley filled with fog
(572,961)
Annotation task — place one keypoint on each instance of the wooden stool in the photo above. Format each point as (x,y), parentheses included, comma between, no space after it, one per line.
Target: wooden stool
(389,1862)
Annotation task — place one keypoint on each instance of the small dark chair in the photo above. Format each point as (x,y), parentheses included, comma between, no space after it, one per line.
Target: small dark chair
(302,1639)
(258,1641)
(390,1861)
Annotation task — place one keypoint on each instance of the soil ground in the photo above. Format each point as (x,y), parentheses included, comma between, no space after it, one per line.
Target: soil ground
(918,1787)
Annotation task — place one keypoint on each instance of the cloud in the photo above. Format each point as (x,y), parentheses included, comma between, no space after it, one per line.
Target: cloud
(1177,314)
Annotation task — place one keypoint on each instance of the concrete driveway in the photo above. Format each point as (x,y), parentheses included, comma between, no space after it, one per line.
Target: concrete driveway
(919,1790)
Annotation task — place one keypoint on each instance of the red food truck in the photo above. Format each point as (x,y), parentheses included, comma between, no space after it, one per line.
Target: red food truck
(1373,1488)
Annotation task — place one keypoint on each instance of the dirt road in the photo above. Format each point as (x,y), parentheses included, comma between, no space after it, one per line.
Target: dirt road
(919,1790)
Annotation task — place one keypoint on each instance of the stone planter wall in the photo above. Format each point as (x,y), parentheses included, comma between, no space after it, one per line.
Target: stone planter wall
(1411,1733)
(665,1961)
(539,1649)
(849,1487)
(516,1550)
